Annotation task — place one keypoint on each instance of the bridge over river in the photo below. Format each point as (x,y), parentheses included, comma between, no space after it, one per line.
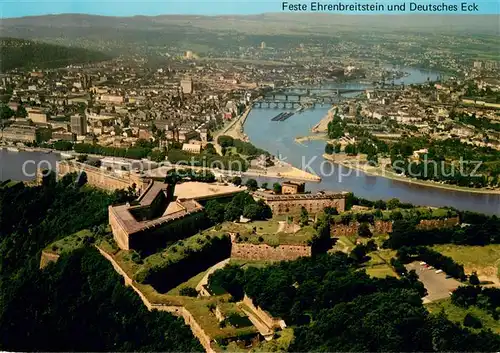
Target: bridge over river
(296,96)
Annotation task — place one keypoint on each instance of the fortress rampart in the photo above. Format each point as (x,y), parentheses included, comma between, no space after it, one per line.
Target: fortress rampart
(438,223)
(351,229)
(176,310)
(265,317)
(98,177)
(246,251)
(292,204)
(48,257)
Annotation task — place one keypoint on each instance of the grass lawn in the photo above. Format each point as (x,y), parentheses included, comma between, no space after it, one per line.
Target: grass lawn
(380,271)
(267,231)
(457,314)
(279,344)
(69,243)
(192,282)
(199,308)
(251,263)
(483,259)
(344,244)
(386,254)
(429,211)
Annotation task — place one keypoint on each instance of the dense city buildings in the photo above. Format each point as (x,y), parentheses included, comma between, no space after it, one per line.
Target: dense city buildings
(79,125)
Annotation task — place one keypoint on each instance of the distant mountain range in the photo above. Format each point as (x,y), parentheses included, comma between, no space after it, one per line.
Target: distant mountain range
(270,23)
(21,53)
(162,34)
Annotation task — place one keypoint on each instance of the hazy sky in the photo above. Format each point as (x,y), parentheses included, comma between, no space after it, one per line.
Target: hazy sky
(18,8)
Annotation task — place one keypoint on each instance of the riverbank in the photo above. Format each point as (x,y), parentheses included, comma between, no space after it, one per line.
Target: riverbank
(320,137)
(322,126)
(282,171)
(235,128)
(379,172)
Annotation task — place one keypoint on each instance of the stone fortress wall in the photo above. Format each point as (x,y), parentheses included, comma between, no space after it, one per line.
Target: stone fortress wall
(438,223)
(119,234)
(292,204)
(176,310)
(98,177)
(384,227)
(351,229)
(47,257)
(264,316)
(247,251)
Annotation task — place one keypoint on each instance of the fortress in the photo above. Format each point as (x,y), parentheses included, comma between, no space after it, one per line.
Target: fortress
(293,203)
(98,177)
(147,224)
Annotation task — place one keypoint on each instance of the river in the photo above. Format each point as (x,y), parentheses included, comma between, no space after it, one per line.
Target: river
(279,138)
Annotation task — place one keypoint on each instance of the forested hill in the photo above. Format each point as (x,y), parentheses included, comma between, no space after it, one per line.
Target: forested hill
(20,53)
(79,303)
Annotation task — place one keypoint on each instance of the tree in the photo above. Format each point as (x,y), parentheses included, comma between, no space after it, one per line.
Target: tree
(277,188)
(474,279)
(359,253)
(232,212)
(304,217)
(189,292)
(251,184)
(472,321)
(396,215)
(329,148)
(82,179)
(392,204)
(210,149)
(265,211)
(264,185)
(215,211)
(257,211)
(82,158)
(48,179)
(350,200)
(364,230)
(95,163)
(6,112)
(225,141)
(236,180)
(332,211)
(351,150)
(251,211)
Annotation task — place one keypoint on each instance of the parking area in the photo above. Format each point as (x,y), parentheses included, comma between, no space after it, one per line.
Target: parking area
(437,284)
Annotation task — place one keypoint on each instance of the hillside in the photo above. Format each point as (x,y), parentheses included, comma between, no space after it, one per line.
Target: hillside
(268,23)
(19,53)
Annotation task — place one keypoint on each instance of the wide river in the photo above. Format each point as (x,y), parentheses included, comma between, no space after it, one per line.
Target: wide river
(279,139)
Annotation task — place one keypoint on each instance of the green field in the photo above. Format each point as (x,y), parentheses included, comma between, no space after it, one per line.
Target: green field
(70,243)
(250,263)
(380,271)
(266,232)
(457,314)
(483,259)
